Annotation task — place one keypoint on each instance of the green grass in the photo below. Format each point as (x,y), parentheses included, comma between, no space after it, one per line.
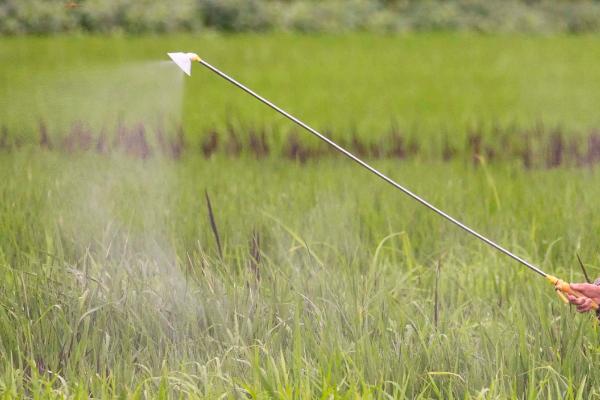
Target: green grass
(111,278)
(112,285)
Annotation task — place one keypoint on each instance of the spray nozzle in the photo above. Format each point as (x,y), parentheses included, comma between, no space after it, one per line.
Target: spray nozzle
(184,61)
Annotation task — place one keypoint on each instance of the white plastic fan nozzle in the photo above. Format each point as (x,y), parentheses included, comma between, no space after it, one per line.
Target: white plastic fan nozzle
(184,61)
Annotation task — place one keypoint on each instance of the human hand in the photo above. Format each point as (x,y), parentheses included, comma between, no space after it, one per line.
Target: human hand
(591,293)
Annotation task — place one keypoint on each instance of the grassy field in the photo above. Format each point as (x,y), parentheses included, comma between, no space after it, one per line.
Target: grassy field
(324,282)
(425,82)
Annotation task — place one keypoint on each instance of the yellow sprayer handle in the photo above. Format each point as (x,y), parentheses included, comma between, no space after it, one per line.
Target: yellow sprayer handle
(563,287)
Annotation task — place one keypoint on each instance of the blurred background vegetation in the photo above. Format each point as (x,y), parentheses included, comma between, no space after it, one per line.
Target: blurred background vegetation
(156,16)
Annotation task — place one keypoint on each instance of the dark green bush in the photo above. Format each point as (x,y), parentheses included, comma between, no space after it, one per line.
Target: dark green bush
(35,16)
(141,16)
(236,15)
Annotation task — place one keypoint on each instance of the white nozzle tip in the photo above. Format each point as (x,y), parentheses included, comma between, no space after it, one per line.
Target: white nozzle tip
(184,61)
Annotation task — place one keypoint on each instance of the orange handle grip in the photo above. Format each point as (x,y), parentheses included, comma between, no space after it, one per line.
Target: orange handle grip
(563,287)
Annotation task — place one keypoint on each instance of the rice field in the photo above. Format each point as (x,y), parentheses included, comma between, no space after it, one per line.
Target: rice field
(195,245)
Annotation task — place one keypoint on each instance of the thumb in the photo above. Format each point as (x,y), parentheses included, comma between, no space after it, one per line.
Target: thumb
(587,289)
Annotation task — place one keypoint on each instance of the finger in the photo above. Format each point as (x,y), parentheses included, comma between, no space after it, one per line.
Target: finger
(585,306)
(577,300)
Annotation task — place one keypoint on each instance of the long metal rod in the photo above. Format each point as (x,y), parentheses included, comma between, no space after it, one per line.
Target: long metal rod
(371,169)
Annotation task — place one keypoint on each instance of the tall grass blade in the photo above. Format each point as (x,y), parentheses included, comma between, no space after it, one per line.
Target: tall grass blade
(213,224)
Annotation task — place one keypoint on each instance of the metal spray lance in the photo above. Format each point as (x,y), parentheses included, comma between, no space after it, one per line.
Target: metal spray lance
(184,61)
